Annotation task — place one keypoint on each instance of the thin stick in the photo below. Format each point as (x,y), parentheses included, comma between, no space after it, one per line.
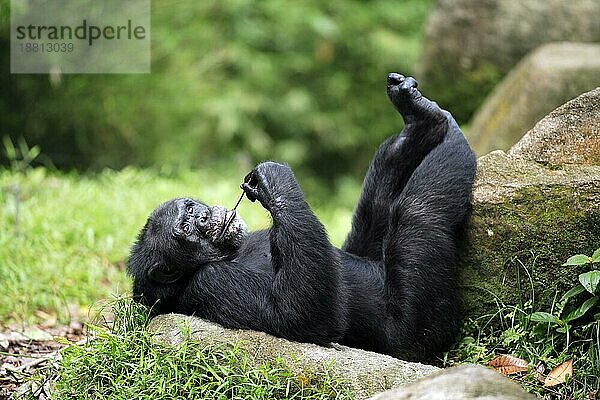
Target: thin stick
(233,214)
(239,201)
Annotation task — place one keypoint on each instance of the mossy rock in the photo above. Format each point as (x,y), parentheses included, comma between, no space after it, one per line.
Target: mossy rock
(364,373)
(527,220)
(547,78)
(470,46)
(568,135)
(532,209)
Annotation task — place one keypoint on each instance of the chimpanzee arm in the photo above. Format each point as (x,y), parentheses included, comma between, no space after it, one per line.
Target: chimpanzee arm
(306,292)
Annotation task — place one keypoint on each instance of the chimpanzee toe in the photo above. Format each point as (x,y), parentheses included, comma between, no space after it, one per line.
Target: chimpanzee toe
(395,79)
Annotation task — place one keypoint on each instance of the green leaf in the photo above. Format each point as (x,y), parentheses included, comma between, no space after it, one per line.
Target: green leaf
(579,259)
(573,292)
(596,256)
(590,280)
(582,309)
(563,329)
(544,317)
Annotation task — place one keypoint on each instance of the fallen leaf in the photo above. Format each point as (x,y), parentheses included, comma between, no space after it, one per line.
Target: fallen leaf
(37,335)
(559,374)
(507,364)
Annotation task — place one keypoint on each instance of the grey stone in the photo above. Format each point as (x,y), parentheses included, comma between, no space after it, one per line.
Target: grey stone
(568,135)
(466,382)
(365,373)
(532,209)
(470,45)
(547,78)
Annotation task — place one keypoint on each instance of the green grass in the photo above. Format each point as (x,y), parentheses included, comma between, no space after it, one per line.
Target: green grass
(67,248)
(63,246)
(124,362)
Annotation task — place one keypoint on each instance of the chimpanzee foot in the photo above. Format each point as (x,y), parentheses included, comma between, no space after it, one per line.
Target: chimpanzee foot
(410,103)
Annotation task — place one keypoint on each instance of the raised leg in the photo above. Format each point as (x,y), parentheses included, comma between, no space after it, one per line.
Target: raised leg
(419,249)
(393,164)
(415,197)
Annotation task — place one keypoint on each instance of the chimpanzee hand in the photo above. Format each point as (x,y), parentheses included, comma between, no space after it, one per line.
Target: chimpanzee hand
(271,184)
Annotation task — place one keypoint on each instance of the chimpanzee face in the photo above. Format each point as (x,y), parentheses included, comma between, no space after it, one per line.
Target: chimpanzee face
(185,234)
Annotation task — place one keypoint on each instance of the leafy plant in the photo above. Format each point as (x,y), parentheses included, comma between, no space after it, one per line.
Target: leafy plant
(573,305)
(19,155)
(560,346)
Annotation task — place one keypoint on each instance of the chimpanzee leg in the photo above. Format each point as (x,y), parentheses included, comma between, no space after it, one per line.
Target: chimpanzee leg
(393,164)
(419,246)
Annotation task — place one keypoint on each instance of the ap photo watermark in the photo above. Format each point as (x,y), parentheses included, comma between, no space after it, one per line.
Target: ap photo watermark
(80,36)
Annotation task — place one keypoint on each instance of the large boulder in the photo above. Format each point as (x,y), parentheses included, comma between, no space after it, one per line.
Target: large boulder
(547,78)
(365,373)
(470,45)
(532,209)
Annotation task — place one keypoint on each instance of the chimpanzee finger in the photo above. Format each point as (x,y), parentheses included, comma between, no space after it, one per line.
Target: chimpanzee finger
(251,191)
(251,178)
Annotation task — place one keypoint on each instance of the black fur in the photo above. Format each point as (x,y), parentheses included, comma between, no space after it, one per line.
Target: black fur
(391,288)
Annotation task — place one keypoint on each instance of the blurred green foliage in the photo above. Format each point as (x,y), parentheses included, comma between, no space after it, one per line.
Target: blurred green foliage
(468,89)
(238,80)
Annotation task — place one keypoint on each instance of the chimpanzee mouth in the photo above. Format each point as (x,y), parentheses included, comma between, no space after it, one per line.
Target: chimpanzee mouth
(229,217)
(232,231)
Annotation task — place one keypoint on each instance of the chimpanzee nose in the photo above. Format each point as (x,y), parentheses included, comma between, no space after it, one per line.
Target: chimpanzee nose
(395,79)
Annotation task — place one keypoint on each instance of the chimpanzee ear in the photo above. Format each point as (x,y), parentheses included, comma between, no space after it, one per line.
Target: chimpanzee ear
(161,273)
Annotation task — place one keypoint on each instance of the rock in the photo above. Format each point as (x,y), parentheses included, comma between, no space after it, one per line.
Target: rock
(547,78)
(532,209)
(568,135)
(470,45)
(527,220)
(365,373)
(466,382)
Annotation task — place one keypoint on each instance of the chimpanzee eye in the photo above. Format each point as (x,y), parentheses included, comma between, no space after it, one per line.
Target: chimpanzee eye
(186,227)
(190,209)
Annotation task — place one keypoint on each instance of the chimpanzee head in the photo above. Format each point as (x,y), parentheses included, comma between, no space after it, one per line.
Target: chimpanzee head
(180,236)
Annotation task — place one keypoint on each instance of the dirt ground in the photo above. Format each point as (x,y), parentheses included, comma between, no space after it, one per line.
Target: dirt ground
(25,351)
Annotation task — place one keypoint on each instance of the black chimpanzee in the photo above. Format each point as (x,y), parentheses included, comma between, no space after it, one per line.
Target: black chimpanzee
(390,289)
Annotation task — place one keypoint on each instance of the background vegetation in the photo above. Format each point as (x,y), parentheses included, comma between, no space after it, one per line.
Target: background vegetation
(240,81)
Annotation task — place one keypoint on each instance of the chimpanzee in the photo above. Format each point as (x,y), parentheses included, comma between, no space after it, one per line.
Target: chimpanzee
(391,288)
